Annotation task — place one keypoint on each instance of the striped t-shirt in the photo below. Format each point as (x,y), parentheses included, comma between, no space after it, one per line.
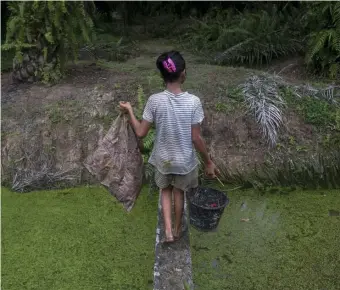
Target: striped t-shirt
(173,116)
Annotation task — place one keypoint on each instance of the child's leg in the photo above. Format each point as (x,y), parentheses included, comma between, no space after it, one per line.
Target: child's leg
(179,207)
(166,199)
(182,183)
(164,183)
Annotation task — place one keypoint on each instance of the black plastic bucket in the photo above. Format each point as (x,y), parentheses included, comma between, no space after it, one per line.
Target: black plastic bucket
(206,206)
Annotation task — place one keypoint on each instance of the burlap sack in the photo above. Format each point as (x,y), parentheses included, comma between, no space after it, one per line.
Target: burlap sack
(117,162)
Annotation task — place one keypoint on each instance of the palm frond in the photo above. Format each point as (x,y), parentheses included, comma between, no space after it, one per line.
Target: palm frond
(317,43)
(262,96)
(56,29)
(149,140)
(248,37)
(323,48)
(140,101)
(329,93)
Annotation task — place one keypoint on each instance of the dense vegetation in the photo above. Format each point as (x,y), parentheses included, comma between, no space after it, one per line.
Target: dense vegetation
(42,36)
(227,32)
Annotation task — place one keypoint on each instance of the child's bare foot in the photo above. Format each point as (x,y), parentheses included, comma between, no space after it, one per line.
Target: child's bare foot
(169,238)
(177,233)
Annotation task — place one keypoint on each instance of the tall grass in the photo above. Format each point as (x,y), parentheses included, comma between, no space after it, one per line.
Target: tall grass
(321,170)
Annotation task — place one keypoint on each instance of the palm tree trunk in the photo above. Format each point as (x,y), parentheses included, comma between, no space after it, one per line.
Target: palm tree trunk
(28,68)
(31,66)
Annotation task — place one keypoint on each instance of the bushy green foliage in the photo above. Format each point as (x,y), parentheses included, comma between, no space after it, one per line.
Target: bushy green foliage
(44,34)
(323,49)
(257,36)
(148,141)
(54,30)
(250,37)
(337,119)
(140,102)
(316,112)
(318,106)
(7,60)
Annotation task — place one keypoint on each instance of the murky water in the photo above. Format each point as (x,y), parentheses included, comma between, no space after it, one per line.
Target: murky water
(271,241)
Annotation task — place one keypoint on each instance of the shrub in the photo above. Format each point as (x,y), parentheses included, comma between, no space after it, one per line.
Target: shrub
(148,141)
(316,112)
(318,106)
(323,49)
(44,34)
(250,37)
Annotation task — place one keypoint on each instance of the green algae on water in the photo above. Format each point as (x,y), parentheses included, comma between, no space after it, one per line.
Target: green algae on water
(288,241)
(77,239)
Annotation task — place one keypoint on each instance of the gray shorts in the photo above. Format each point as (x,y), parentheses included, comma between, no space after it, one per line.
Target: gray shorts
(182,182)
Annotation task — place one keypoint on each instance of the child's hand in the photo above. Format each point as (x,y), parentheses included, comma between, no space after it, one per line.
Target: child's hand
(126,106)
(211,170)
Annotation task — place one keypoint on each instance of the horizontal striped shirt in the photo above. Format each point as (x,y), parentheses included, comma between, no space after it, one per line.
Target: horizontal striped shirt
(173,116)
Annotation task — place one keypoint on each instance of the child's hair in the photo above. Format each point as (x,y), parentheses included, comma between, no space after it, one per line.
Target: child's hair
(171,65)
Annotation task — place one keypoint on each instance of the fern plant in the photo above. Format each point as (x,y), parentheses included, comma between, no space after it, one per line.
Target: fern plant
(43,35)
(148,141)
(140,101)
(323,49)
(337,119)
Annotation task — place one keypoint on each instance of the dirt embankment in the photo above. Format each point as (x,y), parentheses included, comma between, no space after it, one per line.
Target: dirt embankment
(53,128)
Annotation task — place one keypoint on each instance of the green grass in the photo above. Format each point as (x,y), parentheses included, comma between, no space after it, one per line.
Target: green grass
(317,112)
(289,242)
(206,80)
(76,239)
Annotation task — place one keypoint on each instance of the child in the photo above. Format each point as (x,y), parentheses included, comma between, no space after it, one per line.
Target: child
(177,116)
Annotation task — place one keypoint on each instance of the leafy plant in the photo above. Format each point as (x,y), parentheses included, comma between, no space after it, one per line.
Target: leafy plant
(43,35)
(323,49)
(316,112)
(222,107)
(148,141)
(317,105)
(337,119)
(140,102)
(262,96)
(248,37)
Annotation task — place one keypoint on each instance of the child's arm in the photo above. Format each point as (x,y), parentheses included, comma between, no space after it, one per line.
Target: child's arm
(197,140)
(199,143)
(141,128)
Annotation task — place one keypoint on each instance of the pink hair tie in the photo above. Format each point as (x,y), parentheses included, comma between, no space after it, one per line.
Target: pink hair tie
(169,65)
